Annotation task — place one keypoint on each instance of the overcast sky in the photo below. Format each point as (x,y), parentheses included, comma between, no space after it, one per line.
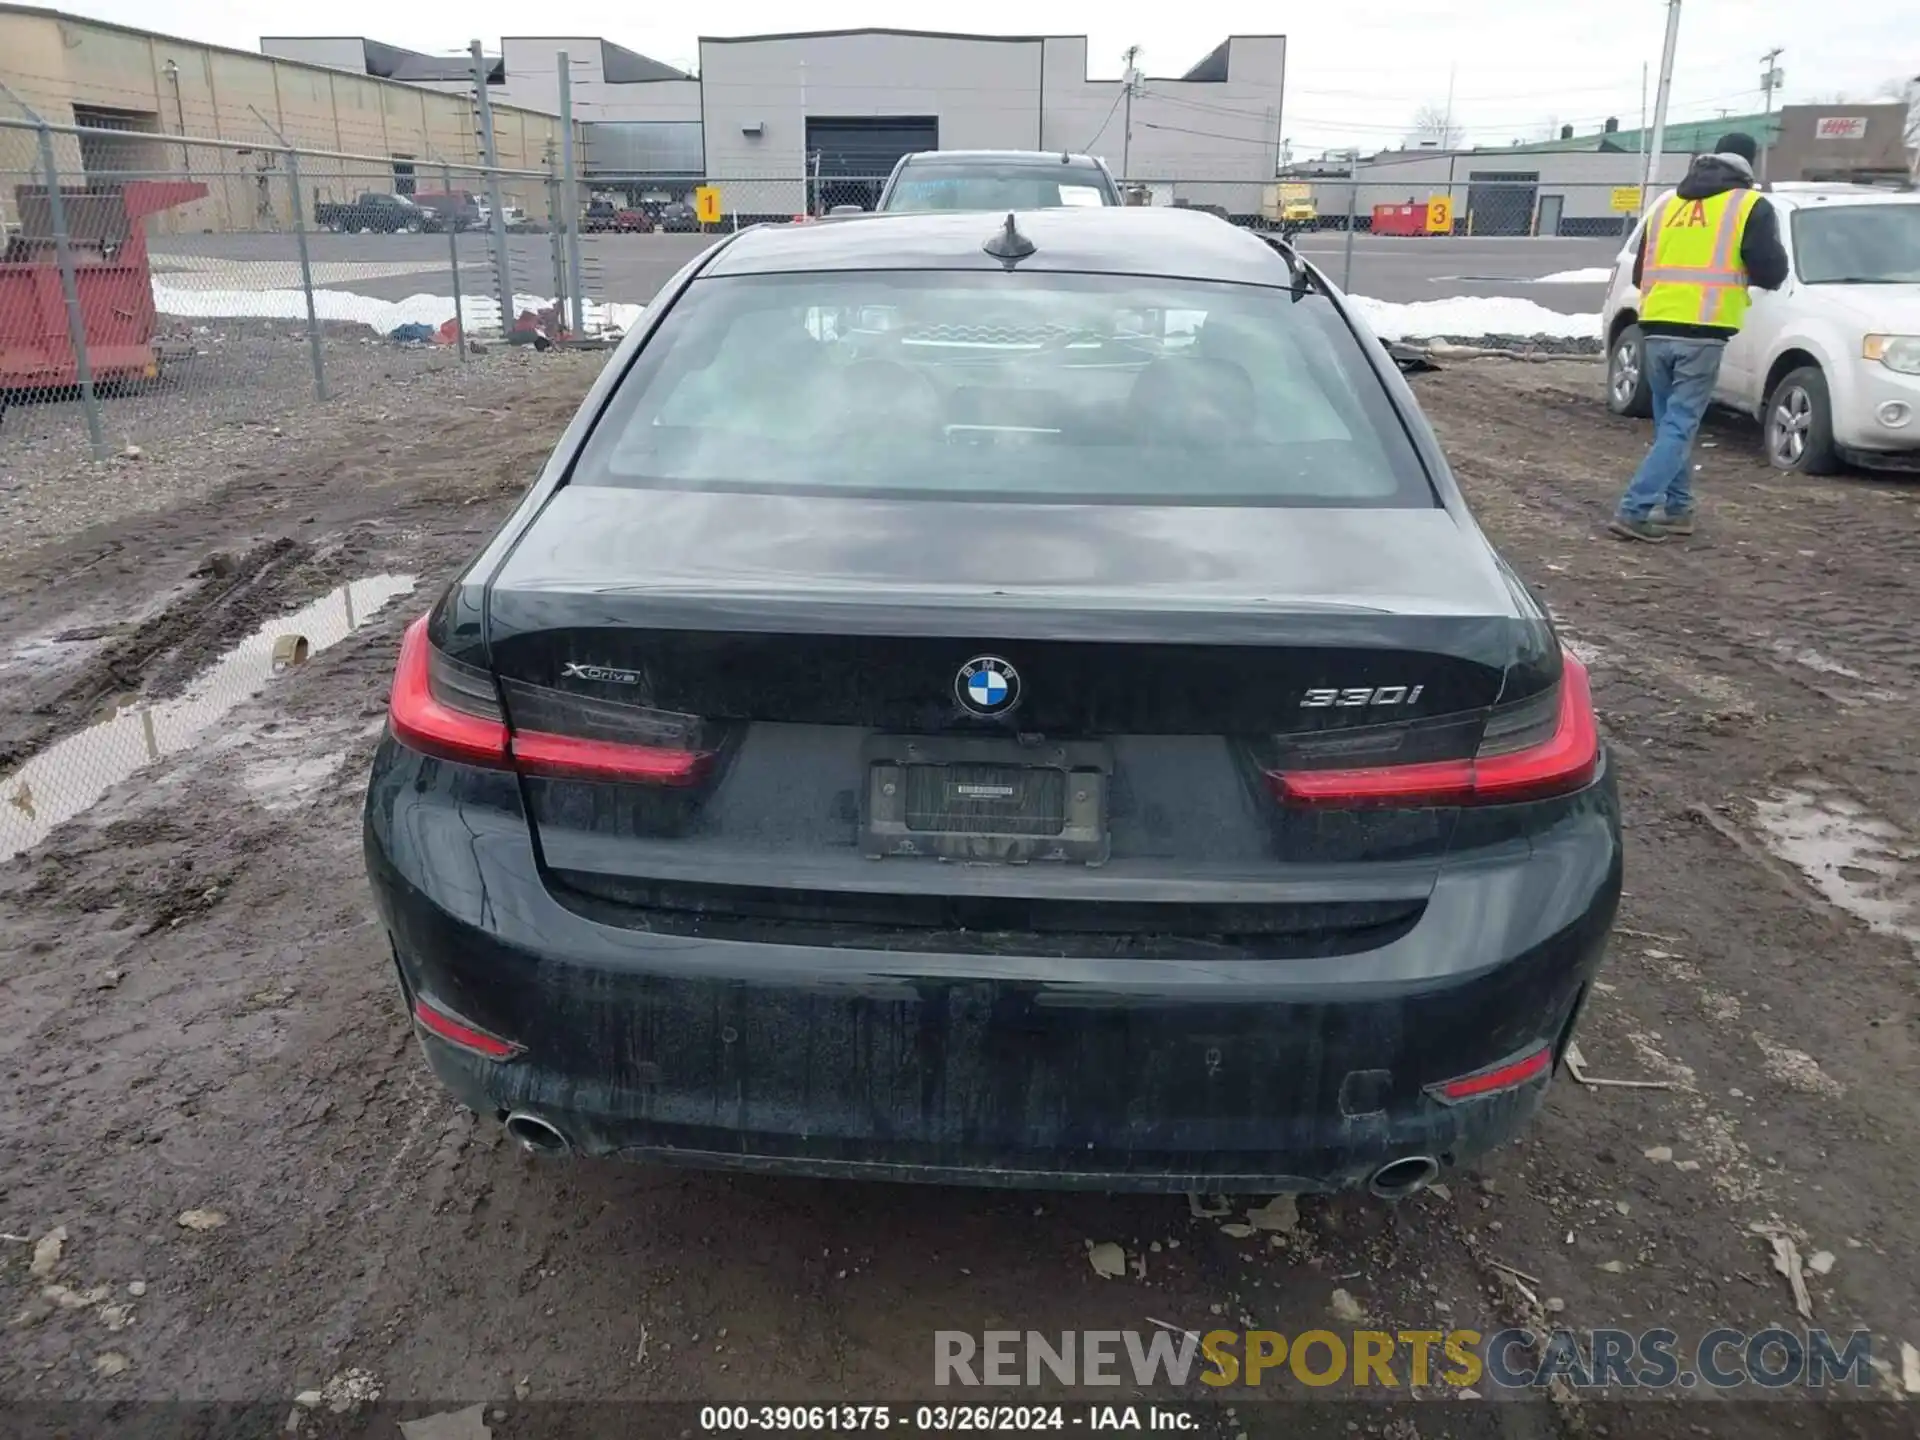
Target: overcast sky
(1357,69)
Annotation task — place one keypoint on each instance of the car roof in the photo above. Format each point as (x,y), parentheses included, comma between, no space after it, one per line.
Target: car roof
(1038,157)
(1108,239)
(1804,194)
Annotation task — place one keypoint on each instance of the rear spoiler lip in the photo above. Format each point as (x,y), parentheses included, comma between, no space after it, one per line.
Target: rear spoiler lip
(1491,640)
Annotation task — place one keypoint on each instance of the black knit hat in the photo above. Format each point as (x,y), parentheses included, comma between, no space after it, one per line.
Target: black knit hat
(1738,142)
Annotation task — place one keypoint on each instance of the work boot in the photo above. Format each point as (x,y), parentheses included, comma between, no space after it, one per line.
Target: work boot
(1630,529)
(1675,524)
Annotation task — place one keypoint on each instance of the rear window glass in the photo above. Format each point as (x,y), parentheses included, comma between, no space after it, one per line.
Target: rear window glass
(1006,386)
(984,185)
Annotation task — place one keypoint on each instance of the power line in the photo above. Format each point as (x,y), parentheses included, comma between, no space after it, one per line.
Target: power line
(1210,134)
(1087,149)
(1375,127)
(1502,95)
(1391,128)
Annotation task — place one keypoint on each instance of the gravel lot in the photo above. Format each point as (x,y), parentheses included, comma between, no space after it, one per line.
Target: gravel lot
(201,1018)
(220,379)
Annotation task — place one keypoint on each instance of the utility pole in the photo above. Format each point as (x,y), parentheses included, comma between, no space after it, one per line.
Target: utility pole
(1913,122)
(1126,124)
(1770,80)
(1446,125)
(1642,147)
(1661,96)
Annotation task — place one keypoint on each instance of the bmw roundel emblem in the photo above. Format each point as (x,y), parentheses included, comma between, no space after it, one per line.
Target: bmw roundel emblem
(987,685)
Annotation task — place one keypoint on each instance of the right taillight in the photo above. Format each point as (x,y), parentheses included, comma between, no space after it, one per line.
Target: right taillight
(451,710)
(1533,751)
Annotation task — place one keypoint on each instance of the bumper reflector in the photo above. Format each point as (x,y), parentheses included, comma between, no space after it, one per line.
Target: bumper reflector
(1510,1076)
(456,1031)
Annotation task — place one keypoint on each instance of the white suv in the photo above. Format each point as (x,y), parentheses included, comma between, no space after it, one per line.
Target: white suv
(1830,362)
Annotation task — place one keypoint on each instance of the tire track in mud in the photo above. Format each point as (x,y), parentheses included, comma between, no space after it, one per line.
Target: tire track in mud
(1758,1000)
(238,1052)
(141,601)
(254,1057)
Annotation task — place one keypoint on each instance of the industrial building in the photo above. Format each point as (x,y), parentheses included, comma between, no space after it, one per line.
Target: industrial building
(87,73)
(1588,184)
(782,123)
(790,122)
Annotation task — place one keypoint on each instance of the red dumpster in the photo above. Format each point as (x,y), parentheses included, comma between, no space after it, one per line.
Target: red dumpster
(108,242)
(1400,219)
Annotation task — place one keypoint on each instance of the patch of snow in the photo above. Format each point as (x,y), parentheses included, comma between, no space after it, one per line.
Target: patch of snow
(479,313)
(1473,315)
(1596,275)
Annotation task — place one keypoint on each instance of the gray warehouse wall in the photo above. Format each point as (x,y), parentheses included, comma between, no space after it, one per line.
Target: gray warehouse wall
(532,67)
(984,91)
(347,52)
(1218,139)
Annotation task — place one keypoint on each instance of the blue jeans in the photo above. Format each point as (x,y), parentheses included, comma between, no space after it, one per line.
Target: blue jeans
(1681,374)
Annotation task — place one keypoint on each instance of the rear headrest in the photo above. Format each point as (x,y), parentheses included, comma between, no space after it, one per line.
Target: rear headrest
(1193,397)
(874,395)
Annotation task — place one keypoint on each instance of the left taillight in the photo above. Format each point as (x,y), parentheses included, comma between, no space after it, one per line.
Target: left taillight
(444,707)
(1538,749)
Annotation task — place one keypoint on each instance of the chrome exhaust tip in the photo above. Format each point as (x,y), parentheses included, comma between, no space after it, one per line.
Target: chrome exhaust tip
(1409,1175)
(536,1136)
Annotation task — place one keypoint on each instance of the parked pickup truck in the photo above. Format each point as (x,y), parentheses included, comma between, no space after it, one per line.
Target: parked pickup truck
(382,214)
(444,210)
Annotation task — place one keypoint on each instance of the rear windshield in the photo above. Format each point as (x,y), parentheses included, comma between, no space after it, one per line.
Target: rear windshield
(991,185)
(1006,386)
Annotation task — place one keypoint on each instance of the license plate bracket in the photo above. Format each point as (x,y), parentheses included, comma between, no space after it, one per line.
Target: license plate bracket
(985,798)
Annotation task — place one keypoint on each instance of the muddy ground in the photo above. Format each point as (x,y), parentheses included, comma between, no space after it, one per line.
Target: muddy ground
(196,1013)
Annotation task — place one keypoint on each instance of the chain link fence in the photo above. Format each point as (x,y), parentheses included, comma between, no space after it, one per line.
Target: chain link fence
(633,205)
(627,218)
(156,287)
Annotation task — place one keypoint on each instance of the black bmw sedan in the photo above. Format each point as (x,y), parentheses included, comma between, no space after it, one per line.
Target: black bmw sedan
(999,700)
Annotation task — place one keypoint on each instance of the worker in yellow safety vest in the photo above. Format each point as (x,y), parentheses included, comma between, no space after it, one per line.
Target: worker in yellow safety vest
(1704,244)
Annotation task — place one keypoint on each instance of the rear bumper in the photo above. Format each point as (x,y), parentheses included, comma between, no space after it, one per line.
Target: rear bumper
(975,1068)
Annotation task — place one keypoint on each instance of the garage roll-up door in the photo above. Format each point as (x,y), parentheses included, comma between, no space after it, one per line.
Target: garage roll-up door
(852,157)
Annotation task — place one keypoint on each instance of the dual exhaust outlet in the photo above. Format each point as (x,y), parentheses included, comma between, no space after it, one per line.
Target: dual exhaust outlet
(1394,1180)
(1397,1179)
(537,1136)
